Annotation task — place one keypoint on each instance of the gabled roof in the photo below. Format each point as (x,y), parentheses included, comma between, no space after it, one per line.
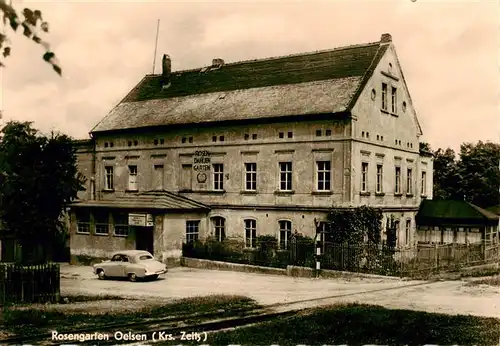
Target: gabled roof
(161,200)
(449,212)
(322,82)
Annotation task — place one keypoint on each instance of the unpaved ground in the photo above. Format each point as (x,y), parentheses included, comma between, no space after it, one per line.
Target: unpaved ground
(452,297)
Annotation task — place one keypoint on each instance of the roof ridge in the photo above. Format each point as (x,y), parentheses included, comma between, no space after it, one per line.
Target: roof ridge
(486,213)
(320,51)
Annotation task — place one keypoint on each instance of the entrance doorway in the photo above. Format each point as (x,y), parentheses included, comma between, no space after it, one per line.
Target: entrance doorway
(144,239)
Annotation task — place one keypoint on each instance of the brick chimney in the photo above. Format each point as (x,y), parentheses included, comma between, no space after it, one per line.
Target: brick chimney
(386,38)
(166,65)
(217,62)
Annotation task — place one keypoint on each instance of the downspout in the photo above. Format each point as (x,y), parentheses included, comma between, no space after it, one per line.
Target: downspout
(92,178)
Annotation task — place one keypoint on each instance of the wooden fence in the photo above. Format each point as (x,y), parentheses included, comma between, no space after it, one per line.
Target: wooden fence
(29,284)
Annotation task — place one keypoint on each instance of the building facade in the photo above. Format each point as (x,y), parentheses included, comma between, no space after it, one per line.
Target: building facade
(261,147)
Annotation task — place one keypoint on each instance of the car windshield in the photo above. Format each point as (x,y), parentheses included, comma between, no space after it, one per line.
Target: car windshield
(145,257)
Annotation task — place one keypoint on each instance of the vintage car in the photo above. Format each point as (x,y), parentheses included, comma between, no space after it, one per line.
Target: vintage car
(131,264)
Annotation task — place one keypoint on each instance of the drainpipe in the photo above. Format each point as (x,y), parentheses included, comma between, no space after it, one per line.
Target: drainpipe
(92,178)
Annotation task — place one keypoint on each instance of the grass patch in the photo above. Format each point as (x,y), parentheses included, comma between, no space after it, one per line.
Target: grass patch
(492,281)
(482,272)
(34,321)
(80,298)
(355,324)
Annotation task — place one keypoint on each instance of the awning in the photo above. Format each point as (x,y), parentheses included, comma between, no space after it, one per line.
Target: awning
(158,200)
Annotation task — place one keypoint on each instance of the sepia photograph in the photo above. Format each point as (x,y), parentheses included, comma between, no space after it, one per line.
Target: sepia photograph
(250,172)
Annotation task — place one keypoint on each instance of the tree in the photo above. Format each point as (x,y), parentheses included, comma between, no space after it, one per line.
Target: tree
(425,147)
(474,176)
(479,172)
(32,26)
(353,226)
(446,178)
(38,179)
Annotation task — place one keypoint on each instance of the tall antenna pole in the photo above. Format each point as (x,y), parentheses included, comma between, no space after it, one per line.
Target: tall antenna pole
(156,45)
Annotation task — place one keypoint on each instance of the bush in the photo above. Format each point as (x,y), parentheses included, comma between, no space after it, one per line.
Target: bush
(266,253)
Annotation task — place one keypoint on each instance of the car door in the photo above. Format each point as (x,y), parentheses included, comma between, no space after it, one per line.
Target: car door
(124,266)
(114,266)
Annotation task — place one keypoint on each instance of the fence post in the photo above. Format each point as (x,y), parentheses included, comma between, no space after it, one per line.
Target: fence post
(436,256)
(318,256)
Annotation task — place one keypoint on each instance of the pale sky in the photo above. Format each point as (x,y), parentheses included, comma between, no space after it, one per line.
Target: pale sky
(448,49)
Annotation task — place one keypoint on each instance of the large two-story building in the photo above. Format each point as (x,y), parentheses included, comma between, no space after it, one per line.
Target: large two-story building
(260,147)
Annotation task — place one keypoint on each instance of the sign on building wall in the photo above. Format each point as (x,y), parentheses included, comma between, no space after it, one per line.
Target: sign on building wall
(201,167)
(140,220)
(149,220)
(201,161)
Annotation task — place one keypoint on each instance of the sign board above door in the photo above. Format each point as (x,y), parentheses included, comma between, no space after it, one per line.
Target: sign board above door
(140,219)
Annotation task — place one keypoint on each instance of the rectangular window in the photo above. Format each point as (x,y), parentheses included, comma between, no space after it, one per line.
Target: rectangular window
(379,178)
(192,231)
(187,177)
(384,96)
(121,224)
(250,233)
(423,184)
(323,175)
(408,232)
(250,176)
(285,176)
(218,176)
(394,97)
(109,178)
(285,233)
(101,223)
(158,177)
(397,185)
(409,181)
(219,228)
(364,176)
(83,222)
(132,178)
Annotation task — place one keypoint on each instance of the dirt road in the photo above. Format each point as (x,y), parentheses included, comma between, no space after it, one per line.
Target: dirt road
(452,297)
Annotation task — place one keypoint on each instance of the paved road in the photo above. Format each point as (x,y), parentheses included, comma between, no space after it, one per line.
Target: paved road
(448,296)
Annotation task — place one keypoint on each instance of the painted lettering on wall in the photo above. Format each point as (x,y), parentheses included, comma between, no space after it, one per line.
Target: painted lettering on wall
(201,161)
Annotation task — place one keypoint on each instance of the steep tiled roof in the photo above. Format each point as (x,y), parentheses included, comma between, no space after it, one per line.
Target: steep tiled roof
(162,200)
(453,212)
(310,83)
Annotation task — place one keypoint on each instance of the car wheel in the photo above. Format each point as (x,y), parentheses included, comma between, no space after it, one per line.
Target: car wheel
(154,277)
(132,277)
(101,275)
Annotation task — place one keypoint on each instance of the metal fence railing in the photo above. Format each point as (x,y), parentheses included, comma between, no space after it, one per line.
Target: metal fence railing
(365,258)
